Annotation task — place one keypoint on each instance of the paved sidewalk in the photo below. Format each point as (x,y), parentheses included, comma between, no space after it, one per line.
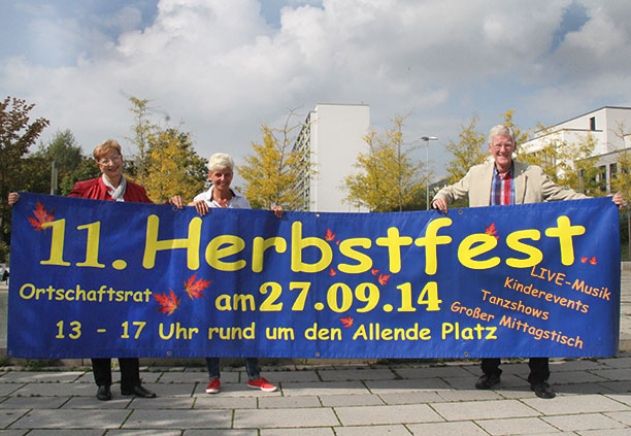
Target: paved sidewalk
(402,398)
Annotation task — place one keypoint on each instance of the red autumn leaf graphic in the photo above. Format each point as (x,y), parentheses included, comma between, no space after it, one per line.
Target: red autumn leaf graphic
(168,303)
(491,230)
(347,322)
(194,288)
(332,272)
(374,271)
(584,259)
(329,235)
(383,279)
(40,216)
(593,260)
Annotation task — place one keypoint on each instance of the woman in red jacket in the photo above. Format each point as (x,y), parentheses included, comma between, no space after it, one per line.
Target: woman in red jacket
(112,185)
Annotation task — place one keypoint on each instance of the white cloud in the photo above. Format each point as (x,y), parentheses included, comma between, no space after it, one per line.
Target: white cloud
(221,69)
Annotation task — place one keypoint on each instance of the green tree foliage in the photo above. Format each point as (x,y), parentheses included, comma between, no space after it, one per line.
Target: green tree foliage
(173,166)
(467,152)
(388,178)
(69,161)
(17,134)
(143,129)
(273,172)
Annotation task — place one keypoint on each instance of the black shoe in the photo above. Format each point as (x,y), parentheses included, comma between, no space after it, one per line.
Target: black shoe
(104,393)
(487,381)
(138,391)
(543,390)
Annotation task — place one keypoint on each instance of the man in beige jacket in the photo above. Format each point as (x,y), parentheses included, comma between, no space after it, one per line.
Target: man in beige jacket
(499,182)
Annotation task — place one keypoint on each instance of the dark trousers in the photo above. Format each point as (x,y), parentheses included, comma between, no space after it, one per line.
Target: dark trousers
(251,367)
(539,368)
(130,372)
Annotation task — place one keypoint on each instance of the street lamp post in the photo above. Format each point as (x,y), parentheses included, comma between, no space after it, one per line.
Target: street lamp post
(427,139)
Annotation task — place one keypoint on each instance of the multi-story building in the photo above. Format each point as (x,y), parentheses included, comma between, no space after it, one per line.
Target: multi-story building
(332,136)
(610,128)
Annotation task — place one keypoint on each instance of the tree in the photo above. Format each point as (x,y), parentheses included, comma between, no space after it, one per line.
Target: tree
(272,174)
(467,152)
(143,130)
(173,166)
(622,183)
(17,134)
(388,178)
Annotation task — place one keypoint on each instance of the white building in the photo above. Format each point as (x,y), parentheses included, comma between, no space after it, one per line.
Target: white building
(333,136)
(609,126)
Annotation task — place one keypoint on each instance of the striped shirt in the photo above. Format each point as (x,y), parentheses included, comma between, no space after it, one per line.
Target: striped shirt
(502,188)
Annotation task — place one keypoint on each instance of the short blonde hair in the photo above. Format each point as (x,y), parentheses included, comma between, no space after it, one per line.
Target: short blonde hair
(105,148)
(220,161)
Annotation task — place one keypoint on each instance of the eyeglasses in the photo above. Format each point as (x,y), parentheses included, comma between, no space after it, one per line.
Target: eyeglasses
(109,160)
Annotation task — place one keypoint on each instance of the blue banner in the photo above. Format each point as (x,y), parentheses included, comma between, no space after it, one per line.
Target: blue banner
(104,279)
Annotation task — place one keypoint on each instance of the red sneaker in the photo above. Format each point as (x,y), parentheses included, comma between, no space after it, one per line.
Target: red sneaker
(262,384)
(214,386)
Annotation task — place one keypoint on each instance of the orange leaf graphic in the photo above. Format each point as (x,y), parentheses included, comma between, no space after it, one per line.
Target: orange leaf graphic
(194,288)
(491,230)
(332,272)
(168,303)
(383,279)
(347,322)
(593,260)
(584,259)
(40,216)
(374,271)
(329,235)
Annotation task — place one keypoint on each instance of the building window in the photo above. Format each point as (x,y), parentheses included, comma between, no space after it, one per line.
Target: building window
(592,123)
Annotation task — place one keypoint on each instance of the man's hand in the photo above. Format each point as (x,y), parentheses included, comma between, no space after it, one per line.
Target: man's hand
(440,204)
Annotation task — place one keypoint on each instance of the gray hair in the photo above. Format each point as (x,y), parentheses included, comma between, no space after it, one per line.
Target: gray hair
(500,130)
(220,161)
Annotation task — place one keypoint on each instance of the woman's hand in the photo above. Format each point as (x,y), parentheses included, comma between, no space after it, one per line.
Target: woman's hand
(278,210)
(14,197)
(176,201)
(618,200)
(200,206)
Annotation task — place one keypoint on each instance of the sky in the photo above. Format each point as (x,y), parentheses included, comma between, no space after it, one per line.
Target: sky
(219,69)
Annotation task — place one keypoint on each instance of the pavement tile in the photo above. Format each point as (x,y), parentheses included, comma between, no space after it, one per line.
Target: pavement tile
(179,419)
(9,388)
(146,376)
(69,419)
(391,386)
(66,432)
(617,387)
(350,400)
(184,377)
(586,421)
(41,377)
(608,432)
(378,430)
(285,418)
(292,376)
(324,388)
(357,374)
(162,402)
(152,432)
(318,431)
(618,374)
(493,409)
(410,398)
(515,426)
(575,377)
(168,389)
(92,403)
(288,402)
(469,395)
(220,433)
(438,371)
(56,390)
(582,389)
(461,428)
(623,417)
(8,416)
(575,365)
(508,381)
(218,401)
(618,362)
(576,404)
(374,415)
(33,402)
(13,432)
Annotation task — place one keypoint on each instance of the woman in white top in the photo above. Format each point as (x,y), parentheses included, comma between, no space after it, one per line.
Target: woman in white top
(220,174)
